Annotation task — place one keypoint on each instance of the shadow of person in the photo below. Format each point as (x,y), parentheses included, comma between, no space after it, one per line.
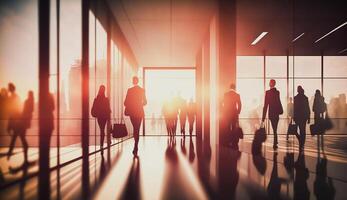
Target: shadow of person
(228,173)
(258,159)
(301,190)
(171,152)
(132,188)
(323,185)
(191,150)
(24,168)
(274,186)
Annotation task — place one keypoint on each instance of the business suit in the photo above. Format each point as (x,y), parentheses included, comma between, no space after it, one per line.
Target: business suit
(301,116)
(134,102)
(232,108)
(273,103)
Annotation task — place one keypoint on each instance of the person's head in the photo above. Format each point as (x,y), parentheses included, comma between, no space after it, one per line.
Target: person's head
(317,94)
(101,90)
(232,86)
(11,87)
(300,90)
(272,83)
(290,99)
(31,94)
(135,80)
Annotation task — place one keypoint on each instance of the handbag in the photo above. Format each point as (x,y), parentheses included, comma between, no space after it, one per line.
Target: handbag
(260,134)
(327,122)
(119,130)
(317,129)
(292,128)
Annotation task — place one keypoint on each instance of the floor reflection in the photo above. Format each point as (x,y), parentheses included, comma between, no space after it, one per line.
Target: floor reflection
(188,168)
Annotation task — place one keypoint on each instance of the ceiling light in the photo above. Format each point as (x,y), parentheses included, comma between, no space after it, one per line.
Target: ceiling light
(259,38)
(343,50)
(335,29)
(298,37)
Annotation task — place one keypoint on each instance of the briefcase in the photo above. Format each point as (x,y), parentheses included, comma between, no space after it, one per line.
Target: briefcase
(317,129)
(327,122)
(292,129)
(119,130)
(260,134)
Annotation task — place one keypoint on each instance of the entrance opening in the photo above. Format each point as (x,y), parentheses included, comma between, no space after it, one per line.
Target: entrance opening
(162,85)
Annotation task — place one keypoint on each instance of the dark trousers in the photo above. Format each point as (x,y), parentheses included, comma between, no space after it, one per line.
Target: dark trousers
(302,136)
(102,124)
(183,125)
(274,124)
(136,122)
(191,125)
(21,135)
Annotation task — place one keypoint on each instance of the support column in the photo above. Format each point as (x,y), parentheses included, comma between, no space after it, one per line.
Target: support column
(45,113)
(85,99)
(206,88)
(199,88)
(226,46)
(322,73)
(108,77)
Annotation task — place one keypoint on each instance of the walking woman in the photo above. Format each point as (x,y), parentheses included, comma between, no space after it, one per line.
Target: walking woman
(301,115)
(319,106)
(101,111)
(134,102)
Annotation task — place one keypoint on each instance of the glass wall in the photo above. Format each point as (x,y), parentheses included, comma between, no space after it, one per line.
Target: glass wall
(289,73)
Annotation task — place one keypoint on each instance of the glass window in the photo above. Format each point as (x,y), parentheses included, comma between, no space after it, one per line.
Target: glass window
(335,66)
(249,66)
(276,66)
(307,66)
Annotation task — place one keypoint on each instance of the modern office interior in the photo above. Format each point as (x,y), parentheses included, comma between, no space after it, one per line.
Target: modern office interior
(63,50)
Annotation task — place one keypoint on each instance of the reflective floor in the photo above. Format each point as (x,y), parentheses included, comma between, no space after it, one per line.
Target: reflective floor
(192,169)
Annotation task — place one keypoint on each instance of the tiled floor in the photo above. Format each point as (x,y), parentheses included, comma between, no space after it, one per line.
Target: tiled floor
(190,169)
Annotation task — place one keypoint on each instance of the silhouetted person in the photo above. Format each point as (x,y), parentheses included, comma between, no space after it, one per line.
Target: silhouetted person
(319,106)
(174,108)
(191,115)
(27,116)
(101,110)
(301,190)
(273,102)
(134,102)
(301,115)
(165,112)
(231,108)
(290,111)
(183,109)
(14,118)
(3,109)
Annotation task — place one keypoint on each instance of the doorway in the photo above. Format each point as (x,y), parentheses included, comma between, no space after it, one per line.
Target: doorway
(161,85)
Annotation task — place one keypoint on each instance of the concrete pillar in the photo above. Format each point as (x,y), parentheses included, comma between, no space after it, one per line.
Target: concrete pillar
(226,46)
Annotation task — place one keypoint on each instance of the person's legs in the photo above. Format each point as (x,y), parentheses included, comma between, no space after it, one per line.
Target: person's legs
(25,145)
(102,124)
(302,136)
(274,124)
(183,125)
(13,142)
(136,122)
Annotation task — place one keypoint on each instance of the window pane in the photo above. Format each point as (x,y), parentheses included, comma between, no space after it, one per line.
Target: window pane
(249,66)
(307,66)
(276,66)
(335,66)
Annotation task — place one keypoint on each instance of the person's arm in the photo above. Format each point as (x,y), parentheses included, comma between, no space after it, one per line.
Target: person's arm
(266,105)
(126,101)
(239,104)
(144,98)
